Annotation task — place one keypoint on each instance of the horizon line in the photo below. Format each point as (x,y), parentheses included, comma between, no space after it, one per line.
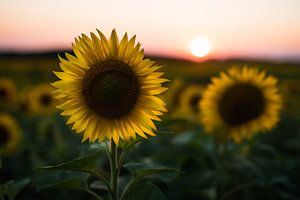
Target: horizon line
(55,52)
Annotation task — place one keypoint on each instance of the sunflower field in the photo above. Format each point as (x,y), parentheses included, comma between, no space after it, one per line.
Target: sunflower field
(106,122)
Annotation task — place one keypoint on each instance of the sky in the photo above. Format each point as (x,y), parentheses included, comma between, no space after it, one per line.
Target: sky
(268,29)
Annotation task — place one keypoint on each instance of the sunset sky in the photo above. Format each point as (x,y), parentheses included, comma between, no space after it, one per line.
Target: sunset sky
(234,28)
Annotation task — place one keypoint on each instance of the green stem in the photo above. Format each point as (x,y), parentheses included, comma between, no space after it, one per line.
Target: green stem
(107,150)
(105,181)
(114,172)
(122,157)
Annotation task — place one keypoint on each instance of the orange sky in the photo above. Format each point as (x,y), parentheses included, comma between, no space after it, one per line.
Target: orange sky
(235,28)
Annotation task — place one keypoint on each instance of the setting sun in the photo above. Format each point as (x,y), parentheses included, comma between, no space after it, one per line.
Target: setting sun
(200,47)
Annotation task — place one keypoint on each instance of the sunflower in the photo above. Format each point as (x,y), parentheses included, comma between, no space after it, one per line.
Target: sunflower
(40,100)
(108,89)
(9,134)
(189,99)
(171,97)
(240,103)
(7,92)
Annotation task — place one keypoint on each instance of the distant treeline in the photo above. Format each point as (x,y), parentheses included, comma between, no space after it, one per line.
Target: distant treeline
(55,53)
(34,54)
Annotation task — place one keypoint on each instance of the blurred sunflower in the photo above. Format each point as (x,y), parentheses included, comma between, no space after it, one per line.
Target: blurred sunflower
(9,134)
(108,89)
(40,100)
(171,97)
(240,103)
(189,100)
(7,92)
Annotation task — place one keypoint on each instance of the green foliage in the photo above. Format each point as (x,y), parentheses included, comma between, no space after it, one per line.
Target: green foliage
(62,180)
(145,191)
(142,170)
(87,164)
(11,189)
(267,167)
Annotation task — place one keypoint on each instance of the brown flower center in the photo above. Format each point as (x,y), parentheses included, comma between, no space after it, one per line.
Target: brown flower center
(3,93)
(45,99)
(110,89)
(241,103)
(4,135)
(194,101)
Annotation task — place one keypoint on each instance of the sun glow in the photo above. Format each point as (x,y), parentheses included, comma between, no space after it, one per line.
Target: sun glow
(200,47)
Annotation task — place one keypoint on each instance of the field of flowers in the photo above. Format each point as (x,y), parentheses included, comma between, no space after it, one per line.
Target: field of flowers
(194,156)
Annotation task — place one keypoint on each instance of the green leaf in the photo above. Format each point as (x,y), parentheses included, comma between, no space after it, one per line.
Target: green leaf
(141,170)
(62,180)
(12,188)
(98,185)
(145,191)
(264,151)
(87,164)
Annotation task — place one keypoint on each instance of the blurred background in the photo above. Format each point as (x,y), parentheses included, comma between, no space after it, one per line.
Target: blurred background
(195,40)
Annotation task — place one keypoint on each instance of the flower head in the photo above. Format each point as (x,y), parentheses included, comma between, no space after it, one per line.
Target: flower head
(40,100)
(108,90)
(240,103)
(9,134)
(8,92)
(189,99)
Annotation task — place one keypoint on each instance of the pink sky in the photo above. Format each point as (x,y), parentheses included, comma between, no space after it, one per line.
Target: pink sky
(235,28)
